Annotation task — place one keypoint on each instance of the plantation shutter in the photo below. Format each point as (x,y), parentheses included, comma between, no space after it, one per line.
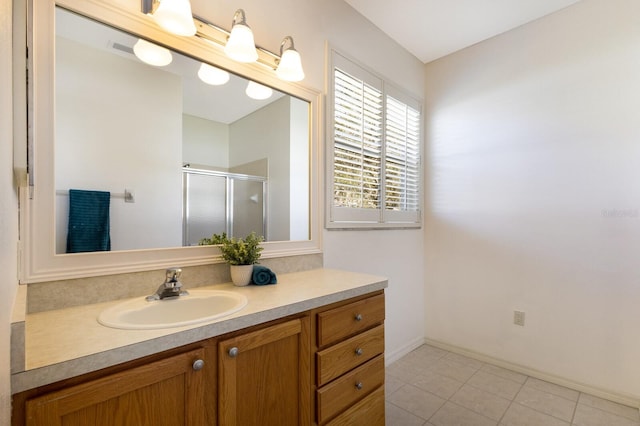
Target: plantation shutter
(375,170)
(402,160)
(358,144)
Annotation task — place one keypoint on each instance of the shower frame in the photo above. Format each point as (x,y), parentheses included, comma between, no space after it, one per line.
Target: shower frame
(230,178)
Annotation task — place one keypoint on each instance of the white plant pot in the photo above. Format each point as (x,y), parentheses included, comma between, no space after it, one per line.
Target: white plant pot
(241,274)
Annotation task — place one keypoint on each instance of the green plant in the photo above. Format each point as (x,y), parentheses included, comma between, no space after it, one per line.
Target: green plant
(215,239)
(238,251)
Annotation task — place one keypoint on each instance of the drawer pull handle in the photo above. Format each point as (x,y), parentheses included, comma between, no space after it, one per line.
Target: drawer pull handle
(198,365)
(233,352)
(359,385)
(359,351)
(358,317)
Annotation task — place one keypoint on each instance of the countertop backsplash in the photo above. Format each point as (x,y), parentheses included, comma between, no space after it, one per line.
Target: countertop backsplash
(83,291)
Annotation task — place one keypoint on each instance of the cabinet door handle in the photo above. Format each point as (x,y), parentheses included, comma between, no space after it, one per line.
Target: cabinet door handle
(358,317)
(198,364)
(359,385)
(233,352)
(359,351)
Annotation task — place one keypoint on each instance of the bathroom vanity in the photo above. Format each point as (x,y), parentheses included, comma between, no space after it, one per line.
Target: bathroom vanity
(307,351)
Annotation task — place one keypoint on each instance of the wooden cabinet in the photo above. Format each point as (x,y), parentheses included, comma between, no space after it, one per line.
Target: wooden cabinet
(167,392)
(321,367)
(264,376)
(349,363)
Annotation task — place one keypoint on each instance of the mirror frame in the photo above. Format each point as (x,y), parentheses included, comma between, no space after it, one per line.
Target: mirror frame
(39,263)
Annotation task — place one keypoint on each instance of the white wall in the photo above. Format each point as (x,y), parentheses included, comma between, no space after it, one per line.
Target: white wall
(136,146)
(535,196)
(276,136)
(395,254)
(265,133)
(8,211)
(205,142)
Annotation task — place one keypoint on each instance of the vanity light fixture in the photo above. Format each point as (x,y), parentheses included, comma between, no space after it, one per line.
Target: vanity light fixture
(172,15)
(258,91)
(290,64)
(238,44)
(212,75)
(152,54)
(241,47)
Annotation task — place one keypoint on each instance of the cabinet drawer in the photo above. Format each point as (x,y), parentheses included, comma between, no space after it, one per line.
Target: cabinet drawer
(338,323)
(338,359)
(366,412)
(350,388)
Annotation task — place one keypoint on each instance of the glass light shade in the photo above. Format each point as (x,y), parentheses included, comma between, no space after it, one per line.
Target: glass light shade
(258,91)
(152,54)
(290,67)
(241,47)
(175,16)
(212,75)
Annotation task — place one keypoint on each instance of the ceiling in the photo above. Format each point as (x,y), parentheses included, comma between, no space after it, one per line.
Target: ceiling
(431,29)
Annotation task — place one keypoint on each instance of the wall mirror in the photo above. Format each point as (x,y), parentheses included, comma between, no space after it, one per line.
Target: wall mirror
(178,158)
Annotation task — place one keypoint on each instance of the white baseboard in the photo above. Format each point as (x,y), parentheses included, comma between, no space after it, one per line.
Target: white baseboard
(631,401)
(392,356)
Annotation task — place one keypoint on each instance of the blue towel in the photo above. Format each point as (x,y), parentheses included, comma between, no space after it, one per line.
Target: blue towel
(88,221)
(263,275)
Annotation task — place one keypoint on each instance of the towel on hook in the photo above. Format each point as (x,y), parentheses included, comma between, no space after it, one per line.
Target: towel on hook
(88,228)
(263,275)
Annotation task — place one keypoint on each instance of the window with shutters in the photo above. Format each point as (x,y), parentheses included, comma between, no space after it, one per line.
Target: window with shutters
(374,176)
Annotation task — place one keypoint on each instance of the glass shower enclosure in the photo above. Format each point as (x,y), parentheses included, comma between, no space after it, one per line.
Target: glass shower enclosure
(215,202)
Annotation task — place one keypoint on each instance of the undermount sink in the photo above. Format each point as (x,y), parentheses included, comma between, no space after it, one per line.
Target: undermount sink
(197,307)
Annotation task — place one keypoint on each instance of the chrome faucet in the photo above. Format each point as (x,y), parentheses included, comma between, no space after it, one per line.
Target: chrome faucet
(171,288)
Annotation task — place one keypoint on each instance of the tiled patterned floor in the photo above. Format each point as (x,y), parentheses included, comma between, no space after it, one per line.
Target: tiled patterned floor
(433,387)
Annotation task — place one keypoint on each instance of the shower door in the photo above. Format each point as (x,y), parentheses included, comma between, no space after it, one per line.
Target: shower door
(248,214)
(217,202)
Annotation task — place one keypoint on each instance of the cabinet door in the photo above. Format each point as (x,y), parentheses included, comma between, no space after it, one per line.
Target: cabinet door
(264,376)
(168,392)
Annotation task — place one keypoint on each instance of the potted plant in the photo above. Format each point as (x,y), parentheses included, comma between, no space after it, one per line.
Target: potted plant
(241,254)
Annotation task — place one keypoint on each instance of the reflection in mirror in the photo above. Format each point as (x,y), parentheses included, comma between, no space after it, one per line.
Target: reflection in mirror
(181,156)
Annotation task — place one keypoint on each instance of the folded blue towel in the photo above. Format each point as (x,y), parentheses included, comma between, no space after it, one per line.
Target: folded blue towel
(263,275)
(88,221)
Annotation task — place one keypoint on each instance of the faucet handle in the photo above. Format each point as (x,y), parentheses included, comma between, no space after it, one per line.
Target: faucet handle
(172,274)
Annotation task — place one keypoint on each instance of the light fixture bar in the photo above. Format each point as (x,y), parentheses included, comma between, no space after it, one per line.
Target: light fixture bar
(148,6)
(213,33)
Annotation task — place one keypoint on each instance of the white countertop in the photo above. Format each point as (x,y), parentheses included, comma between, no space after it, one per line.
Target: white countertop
(68,342)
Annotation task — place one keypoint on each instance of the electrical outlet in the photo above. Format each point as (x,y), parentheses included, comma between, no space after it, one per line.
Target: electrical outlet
(518,318)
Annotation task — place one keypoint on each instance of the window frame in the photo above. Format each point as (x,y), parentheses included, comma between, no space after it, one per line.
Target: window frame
(369,218)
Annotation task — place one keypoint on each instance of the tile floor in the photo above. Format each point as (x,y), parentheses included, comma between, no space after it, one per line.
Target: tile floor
(433,387)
